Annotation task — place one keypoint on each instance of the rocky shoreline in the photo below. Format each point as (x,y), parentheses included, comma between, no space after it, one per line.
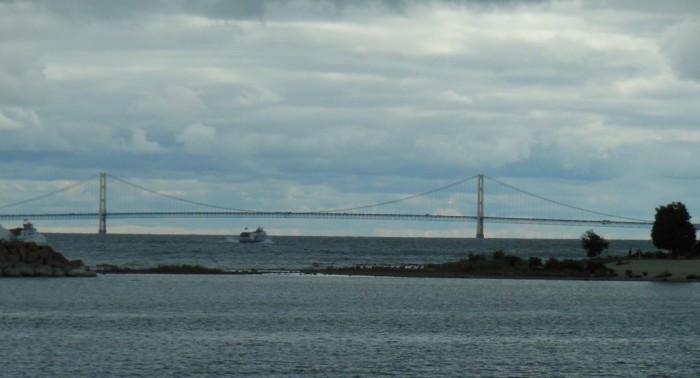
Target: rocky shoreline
(27,259)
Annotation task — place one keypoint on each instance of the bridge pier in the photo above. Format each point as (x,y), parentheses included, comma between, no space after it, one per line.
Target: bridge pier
(103,204)
(480,208)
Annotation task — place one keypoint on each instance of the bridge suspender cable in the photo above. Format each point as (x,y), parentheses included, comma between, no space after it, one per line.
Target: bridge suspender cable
(181,199)
(48,194)
(400,199)
(564,204)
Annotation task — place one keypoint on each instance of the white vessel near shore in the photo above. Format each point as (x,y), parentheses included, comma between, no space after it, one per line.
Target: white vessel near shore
(254,236)
(27,233)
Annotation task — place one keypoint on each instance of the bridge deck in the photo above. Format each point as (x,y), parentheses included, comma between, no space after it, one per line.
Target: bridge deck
(331,215)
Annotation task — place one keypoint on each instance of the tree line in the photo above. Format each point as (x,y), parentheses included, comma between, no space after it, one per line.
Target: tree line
(671,231)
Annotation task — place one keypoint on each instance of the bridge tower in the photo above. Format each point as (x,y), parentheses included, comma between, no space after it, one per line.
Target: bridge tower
(480,208)
(103,204)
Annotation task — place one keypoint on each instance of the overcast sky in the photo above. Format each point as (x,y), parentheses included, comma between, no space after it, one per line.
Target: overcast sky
(322,104)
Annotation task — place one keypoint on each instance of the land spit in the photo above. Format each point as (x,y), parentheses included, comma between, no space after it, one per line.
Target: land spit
(618,270)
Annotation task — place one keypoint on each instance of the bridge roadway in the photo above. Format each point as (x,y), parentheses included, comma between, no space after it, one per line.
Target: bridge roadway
(331,215)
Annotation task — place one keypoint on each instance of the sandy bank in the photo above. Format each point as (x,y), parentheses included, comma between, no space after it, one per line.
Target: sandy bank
(678,269)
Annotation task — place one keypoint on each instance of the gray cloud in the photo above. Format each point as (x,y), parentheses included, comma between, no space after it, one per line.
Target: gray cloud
(105,10)
(243,9)
(81,11)
(680,46)
(329,97)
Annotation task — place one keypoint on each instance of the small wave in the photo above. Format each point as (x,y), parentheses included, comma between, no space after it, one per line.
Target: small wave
(234,239)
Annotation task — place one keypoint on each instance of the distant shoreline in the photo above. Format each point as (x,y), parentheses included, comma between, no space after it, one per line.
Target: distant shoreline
(679,270)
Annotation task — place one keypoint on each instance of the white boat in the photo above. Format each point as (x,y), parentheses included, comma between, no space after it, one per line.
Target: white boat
(255,236)
(28,233)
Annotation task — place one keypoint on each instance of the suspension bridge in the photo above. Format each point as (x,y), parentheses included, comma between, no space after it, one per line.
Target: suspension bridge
(466,200)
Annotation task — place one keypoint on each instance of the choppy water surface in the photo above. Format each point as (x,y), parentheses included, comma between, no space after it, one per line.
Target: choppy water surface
(303,325)
(303,252)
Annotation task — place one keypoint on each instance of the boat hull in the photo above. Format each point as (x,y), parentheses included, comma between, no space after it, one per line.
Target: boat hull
(251,240)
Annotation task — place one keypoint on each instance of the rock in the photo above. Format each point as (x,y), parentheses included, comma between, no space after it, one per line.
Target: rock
(43,271)
(26,269)
(54,263)
(80,271)
(32,257)
(28,259)
(10,272)
(75,263)
(16,270)
(22,254)
(58,272)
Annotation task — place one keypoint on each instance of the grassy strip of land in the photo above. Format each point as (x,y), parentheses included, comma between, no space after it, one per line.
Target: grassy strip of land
(663,269)
(162,269)
(497,265)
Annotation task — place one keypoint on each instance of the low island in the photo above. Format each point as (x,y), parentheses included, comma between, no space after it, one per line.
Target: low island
(501,265)
(497,264)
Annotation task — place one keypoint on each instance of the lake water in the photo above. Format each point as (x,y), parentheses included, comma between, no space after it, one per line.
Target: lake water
(281,325)
(297,252)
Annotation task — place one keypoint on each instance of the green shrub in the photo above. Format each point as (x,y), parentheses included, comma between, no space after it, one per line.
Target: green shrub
(512,260)
(575,265)
(593,266)
(498,254)
(534,262)
(551,264)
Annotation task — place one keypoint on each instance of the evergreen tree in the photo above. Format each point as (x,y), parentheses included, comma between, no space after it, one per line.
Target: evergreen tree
(672,229)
